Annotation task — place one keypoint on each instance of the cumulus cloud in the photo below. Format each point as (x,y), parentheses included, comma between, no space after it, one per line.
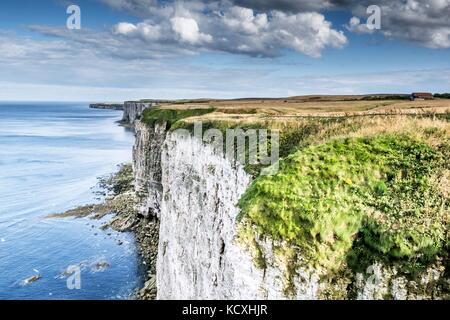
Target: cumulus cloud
(308,33)
(145,31)
(237,29)
(423,22)
(149,57)
(355,25)
(125,28)
(188,31)
(127,41)
(243,20)
(78,68)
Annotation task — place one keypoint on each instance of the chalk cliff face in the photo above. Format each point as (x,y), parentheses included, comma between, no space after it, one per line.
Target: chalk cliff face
(193,191)
(147,166)
(200,256)
(132,111)
(197,214)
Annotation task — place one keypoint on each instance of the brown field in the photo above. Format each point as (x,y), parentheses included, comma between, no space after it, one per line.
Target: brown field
(282,109)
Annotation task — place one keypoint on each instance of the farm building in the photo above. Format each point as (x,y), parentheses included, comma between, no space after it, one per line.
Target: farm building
(421,96)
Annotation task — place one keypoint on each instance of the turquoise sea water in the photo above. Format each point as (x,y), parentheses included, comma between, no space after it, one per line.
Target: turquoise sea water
(50,157)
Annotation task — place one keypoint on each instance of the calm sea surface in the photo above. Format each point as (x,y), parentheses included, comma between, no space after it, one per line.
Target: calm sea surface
(50,157)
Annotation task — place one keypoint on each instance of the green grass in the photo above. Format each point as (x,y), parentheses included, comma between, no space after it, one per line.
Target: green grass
(354,201)
(171,116)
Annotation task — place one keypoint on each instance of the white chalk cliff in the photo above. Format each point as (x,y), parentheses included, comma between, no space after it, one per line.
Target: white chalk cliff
(193,191)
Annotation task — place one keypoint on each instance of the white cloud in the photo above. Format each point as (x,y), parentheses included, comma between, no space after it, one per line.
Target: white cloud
(142,30)
(424,22)
(236,29)
(243,20)
(355,25)
(308,33)
(125,28)
(149,58)
(54,70)
(188,31)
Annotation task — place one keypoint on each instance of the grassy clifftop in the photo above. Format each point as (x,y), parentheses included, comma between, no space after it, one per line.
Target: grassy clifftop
(354,187)
(171,116)
(354,192)
(261,110)
(381,193)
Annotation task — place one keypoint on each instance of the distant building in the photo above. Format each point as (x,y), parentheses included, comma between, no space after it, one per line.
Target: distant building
(421,96)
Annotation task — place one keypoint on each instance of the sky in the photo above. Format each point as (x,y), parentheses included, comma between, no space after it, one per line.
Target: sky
(137,49)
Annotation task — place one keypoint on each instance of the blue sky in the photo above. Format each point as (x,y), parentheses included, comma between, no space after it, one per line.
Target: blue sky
(133,49)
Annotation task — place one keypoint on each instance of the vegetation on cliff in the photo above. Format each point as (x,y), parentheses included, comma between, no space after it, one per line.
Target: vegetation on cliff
(350,192)
(354,193)
(171,116)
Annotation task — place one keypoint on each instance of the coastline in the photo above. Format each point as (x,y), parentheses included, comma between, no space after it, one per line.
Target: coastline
(120,200)
(107,106)
(190,236)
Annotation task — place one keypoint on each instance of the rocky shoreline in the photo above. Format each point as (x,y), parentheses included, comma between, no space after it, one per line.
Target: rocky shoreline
(146,233)
(121,201)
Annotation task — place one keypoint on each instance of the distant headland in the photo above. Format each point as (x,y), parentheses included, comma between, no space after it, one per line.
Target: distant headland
(113,106)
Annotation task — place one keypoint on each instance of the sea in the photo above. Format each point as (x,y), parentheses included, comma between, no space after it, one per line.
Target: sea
(51,155)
